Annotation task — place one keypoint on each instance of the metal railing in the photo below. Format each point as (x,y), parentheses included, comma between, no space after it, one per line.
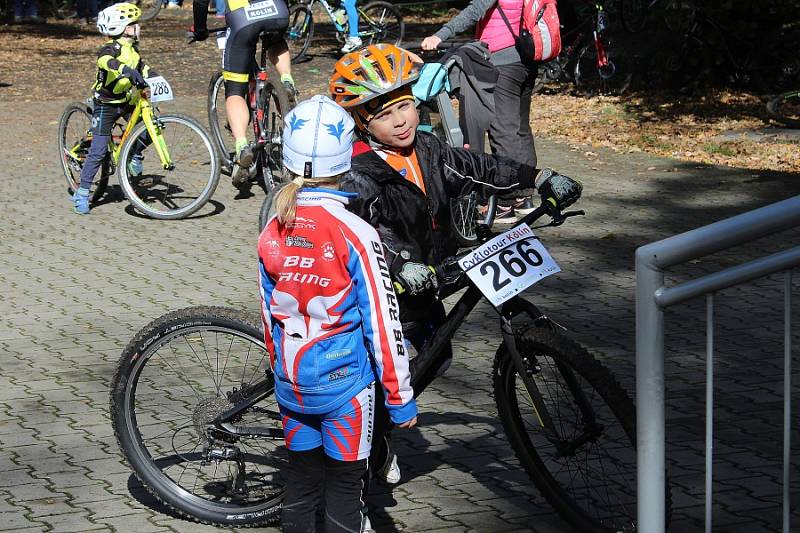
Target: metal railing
(652,297)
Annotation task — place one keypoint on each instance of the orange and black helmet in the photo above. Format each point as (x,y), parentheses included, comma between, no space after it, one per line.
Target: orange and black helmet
(366,81)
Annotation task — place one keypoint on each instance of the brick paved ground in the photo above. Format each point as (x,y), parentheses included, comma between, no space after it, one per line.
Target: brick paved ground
(74,290)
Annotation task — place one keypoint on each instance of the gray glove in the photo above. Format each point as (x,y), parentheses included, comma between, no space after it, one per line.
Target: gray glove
(417,278)
(558,190)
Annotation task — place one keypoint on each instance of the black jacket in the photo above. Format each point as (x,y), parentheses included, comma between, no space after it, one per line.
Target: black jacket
(416,226)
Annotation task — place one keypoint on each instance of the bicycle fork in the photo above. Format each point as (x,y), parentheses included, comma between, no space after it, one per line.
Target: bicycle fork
(527,367)
(155,134)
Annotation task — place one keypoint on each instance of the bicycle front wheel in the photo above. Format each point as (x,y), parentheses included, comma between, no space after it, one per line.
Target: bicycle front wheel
(300,30)
(381,23)
(612,78)
(186,184)
(176,376)
(575,438)
(74,139)
(218,120)
(150,8)
(785,108)
(273,104)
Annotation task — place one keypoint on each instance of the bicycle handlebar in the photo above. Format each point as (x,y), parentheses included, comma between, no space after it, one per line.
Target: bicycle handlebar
(448,272)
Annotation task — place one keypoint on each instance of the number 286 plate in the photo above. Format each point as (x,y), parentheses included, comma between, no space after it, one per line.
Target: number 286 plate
(508,264)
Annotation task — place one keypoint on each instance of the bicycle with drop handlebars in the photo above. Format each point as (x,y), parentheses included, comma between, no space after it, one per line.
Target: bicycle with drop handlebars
(193,407)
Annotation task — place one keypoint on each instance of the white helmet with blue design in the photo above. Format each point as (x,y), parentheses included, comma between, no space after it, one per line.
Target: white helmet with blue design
(317,138)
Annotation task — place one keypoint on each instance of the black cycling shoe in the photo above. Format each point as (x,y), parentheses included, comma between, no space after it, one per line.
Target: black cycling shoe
(240,177)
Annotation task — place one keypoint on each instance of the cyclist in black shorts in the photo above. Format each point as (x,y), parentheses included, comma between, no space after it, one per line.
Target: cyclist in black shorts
(246,20)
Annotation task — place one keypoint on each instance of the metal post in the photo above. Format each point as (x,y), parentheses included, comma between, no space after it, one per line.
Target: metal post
(650,428)
(709,407)
(787,394)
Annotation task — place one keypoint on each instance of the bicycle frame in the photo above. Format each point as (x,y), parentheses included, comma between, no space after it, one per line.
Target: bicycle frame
(143,110)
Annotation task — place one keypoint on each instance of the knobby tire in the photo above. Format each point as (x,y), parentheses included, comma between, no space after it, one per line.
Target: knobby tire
(67,139)
(274,104)
(597,496)
(160,383)
(171,190)
(300,31)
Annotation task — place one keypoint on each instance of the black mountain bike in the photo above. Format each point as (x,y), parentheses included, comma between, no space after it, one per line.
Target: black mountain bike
(194,413)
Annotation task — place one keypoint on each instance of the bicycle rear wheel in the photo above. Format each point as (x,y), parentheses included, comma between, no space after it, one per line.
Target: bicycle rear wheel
(273,104)
(150,8)
(179,373)
(218,120)
(300,30)
(614,78)
(381,22)
(73,144)
(785,108)
(184,187)
(585,464)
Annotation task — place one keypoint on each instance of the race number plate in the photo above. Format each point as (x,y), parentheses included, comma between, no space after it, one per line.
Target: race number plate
(160,89)
(508,264)
(261,10)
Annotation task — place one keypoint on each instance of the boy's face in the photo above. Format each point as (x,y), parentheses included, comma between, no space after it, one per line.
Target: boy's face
(396,125)
(131,31)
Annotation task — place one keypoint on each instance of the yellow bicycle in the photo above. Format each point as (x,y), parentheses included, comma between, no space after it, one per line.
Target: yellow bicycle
(179,165)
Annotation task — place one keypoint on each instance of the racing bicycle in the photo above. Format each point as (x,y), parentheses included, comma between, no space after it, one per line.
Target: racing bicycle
(378,22)
(180,164)
(194,413)
(269,102)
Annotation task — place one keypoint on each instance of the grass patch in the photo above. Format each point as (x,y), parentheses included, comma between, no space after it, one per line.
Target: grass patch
(719,149)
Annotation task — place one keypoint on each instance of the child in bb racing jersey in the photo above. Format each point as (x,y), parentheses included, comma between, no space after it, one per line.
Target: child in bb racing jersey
(331,323)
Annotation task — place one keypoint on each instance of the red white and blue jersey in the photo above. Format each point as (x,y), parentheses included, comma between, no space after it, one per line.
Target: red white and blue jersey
(329,309)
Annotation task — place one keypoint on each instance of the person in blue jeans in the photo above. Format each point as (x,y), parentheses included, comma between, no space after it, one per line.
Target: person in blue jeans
(26,10)
(353,41)
(87,10)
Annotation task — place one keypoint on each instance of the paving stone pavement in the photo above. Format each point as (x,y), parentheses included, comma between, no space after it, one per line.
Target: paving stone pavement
(75,289)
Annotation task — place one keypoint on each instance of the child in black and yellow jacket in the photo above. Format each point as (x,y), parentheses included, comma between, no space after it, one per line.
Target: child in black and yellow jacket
(119,70)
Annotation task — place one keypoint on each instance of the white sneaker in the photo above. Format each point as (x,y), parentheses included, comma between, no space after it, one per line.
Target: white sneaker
(390,472)
(366,527)
(350,44)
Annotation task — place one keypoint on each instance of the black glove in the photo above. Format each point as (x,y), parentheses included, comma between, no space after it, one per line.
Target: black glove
(135,76)
(557,190)
(417,278)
